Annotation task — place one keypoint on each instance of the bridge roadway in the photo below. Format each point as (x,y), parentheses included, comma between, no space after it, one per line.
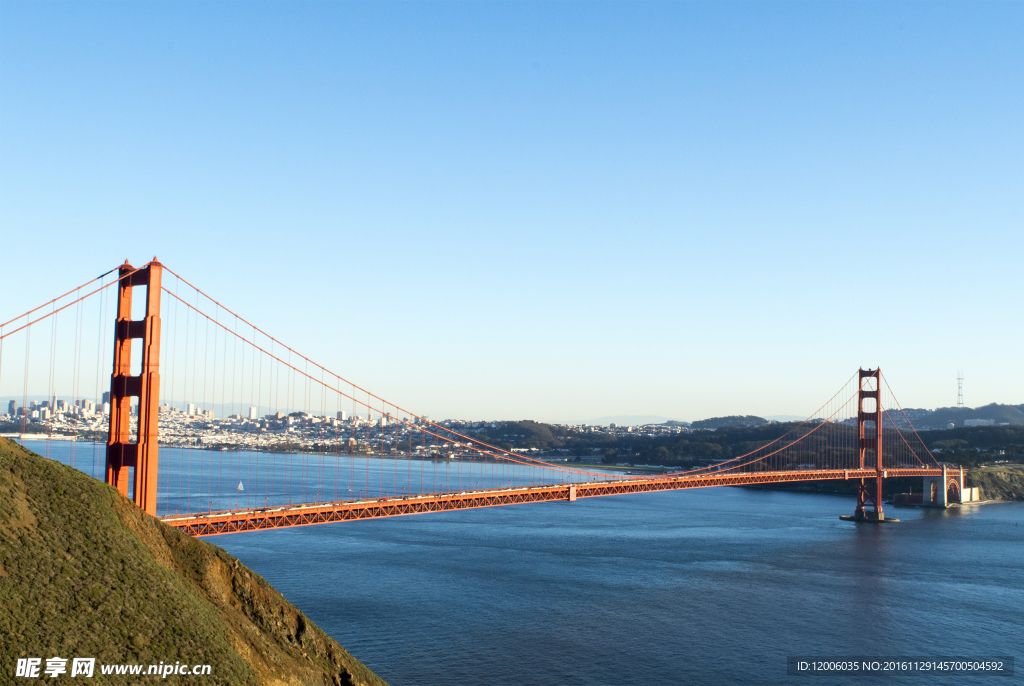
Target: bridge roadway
(259,519)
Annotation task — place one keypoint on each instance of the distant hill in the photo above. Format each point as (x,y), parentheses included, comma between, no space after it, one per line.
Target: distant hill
(628,420)
(83,572)
(726,422)
(942,417)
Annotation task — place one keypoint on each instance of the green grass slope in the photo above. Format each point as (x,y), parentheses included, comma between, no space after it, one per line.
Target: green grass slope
(85,573)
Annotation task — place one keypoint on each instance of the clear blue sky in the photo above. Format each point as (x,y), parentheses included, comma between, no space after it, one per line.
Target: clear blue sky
(544,210)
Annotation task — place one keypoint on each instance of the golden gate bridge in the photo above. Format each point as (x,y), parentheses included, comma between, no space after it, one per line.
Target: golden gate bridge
(184,420)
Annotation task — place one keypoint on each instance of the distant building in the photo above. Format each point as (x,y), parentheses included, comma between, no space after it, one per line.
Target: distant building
(342,416)
(106,396)
(252,413)
(12,408)
(190,409)
(979,422)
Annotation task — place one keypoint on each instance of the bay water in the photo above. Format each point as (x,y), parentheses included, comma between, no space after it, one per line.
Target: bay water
(712,586)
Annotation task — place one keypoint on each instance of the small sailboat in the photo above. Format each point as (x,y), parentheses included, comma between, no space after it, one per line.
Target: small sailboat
(240,487)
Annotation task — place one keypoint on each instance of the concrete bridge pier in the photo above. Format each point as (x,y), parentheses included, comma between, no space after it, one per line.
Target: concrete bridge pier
(948,489)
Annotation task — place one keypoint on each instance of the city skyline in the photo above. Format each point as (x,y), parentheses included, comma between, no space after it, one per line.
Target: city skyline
(100,406)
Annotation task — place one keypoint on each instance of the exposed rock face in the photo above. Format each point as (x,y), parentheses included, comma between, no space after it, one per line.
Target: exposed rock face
(998,483)
(85,573)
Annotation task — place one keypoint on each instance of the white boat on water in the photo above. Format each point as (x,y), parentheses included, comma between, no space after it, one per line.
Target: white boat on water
(240,487)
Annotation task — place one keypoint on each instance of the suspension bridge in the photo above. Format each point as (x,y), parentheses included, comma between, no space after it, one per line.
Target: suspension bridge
(199,399)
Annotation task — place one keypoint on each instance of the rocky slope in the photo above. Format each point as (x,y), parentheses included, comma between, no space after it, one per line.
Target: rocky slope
(998,483)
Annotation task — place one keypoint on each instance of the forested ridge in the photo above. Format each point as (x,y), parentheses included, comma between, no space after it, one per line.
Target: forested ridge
(645,445)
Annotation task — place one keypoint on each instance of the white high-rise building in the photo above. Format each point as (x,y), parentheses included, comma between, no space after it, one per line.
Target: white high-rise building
(252,413)
(342,416)
(190,409)
(979,422)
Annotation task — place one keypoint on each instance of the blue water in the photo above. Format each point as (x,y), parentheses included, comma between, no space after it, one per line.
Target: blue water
(705,587)
(195,480)
(714,586)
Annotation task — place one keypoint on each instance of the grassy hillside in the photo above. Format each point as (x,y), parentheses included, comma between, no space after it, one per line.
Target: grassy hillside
(84,573)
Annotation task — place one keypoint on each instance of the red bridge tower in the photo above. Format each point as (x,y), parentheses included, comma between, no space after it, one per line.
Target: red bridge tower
(122,454)
(869,410)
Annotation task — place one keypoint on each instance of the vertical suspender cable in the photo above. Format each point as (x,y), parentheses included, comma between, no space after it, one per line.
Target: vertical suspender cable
(250,489)
(49,381)
(24,402)
(2,360)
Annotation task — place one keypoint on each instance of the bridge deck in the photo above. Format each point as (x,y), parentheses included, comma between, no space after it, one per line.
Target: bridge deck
(259,519)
